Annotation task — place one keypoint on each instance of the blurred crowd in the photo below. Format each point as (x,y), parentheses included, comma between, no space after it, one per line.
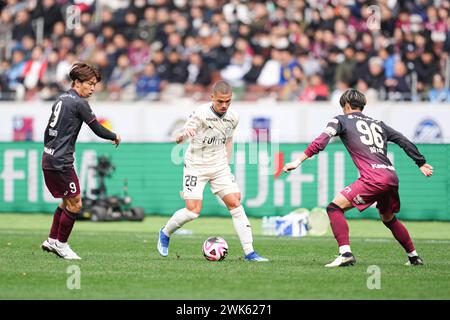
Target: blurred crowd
(282,49)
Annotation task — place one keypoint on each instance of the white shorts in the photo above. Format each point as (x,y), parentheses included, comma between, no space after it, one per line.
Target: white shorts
(221,181)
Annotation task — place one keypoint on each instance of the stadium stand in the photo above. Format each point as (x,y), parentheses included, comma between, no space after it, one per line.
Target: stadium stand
(291,50)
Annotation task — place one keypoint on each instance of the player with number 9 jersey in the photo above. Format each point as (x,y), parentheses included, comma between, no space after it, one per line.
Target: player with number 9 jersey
(68,114)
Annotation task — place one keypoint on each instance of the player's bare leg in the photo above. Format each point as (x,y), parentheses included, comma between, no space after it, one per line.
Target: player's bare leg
(242,226)
(401,234)
(339,226)
(53,235)
(190,212)
(66,223)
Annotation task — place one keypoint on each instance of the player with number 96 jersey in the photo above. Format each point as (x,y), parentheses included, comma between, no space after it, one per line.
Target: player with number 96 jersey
(366,141)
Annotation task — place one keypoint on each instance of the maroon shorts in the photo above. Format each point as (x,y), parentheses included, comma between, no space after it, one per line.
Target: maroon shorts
(62,184)
(362,195)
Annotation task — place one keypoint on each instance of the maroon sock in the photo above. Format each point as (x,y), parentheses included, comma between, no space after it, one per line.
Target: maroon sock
(338,224)
(65,225)
(400,234)
(55,224)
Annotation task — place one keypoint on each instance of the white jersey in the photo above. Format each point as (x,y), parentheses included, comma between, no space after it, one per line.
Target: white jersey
(208,147)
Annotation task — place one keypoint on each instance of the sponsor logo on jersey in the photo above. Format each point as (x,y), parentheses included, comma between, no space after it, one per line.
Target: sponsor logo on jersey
(347,189)
(52,133)
(376,150)
(212,119)
(382,166)
(49,150)
(214,141)
(358,199)
(428,131)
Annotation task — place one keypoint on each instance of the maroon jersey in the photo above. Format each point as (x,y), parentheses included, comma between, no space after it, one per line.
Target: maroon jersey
(366,141)
(68,114)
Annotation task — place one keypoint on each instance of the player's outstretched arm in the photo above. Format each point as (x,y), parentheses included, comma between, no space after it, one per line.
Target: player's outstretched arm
(314,147)
(427,170)
(187,133)
(294,164)
(104,133)
(410,148)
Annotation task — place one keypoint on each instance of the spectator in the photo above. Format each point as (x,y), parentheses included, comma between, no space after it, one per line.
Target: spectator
(439,93)
(22,26)
(410,57)
(270,73)
(308,64)
(148,86)
(370,93)
(399,87)
(120,82)
(199,75)
(426,67)
(252,75)
(288,66)
(344,71)
(177,68)
(139,55)
(236,70)
(361,65)
(15,71)
(146,28)
(88,49)
(375,76)
(387,54)
(34,70)
(50,76)
(315,90)
(51,12)
(312,33)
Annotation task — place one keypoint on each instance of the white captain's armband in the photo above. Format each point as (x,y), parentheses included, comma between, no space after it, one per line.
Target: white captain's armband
(330,131)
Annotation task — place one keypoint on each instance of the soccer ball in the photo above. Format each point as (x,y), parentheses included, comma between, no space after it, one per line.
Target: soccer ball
(215,249)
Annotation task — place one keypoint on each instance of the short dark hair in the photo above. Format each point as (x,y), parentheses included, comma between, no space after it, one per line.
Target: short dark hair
(83,72)
(354,98)
(221,86)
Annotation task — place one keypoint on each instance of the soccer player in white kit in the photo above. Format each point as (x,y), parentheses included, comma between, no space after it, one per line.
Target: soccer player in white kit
(210,128)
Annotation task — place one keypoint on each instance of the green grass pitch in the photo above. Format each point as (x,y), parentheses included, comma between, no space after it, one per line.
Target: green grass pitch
(120,261)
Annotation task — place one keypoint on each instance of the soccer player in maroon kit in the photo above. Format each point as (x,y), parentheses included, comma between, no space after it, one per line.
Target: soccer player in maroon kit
(68,114)
(366,141)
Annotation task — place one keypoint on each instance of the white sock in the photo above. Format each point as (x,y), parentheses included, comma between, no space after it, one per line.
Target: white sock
(344,249)
(178,219)
(412,254)
(61,244)
(243,229)
(51,241)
